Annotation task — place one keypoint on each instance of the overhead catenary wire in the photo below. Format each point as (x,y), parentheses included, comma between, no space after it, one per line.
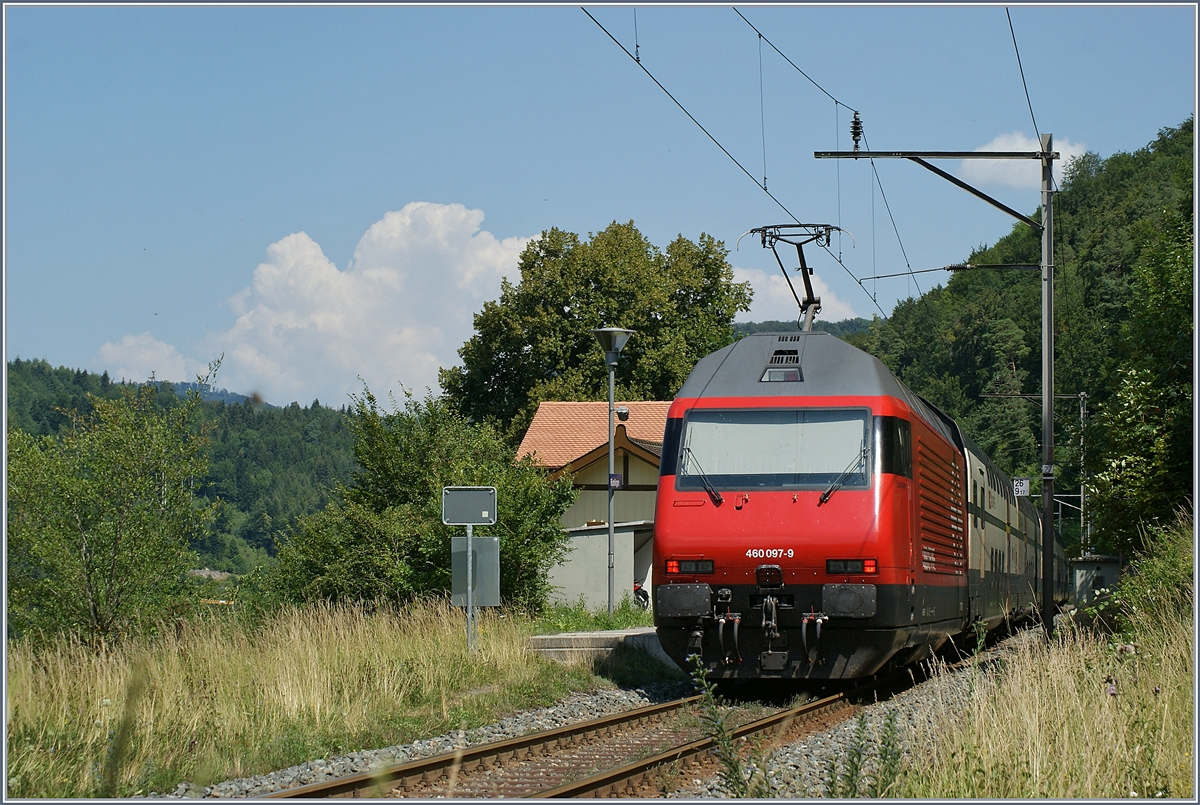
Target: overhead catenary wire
(725,151)
(838,103)
(1020,68)
(1017,50)
(762,112)
(691,117)
(637,51)
(789,61)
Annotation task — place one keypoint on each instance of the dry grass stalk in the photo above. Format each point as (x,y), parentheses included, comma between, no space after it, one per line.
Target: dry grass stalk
(221,701)
(1079,719)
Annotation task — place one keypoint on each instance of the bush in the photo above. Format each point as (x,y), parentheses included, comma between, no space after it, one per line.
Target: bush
(1158,584)
(384,537)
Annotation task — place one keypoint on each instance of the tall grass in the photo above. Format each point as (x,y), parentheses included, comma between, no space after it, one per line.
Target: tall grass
(1092,715)
(218,700)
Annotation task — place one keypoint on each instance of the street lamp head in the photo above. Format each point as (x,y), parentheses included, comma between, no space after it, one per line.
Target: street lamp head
(622,413)
(612,341)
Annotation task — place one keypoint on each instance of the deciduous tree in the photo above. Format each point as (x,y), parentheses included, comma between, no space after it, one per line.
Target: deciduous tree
(100,517)
(535,342)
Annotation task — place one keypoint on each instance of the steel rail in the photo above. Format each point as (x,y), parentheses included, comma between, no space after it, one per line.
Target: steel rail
(378,781)
(622,780)
(616,781)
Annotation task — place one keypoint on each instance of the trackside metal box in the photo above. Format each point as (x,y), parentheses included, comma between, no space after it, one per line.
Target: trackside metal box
(1093,574)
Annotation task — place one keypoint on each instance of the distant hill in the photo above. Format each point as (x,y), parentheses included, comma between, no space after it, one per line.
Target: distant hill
(842,329)
(210,394)
(269,465)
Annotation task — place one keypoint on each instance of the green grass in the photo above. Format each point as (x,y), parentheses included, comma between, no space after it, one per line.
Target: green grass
(578,618)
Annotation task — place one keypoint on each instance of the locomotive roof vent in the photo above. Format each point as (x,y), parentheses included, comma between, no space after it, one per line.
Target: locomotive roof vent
(785,356)
(788,338)
(788,363)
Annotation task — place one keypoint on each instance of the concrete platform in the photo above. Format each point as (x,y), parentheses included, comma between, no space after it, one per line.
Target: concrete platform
(590,646)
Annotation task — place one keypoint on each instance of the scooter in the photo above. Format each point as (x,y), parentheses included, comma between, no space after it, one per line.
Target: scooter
(641,595)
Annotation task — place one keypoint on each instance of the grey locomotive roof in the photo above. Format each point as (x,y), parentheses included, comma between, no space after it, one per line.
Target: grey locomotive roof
(829,368)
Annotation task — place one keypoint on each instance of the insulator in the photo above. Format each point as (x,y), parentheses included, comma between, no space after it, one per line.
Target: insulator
(856,130)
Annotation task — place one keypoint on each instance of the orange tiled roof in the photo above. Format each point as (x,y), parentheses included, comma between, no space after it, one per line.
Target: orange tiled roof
(563,431)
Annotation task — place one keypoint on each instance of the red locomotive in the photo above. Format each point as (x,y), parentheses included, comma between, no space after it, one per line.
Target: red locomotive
(817,519)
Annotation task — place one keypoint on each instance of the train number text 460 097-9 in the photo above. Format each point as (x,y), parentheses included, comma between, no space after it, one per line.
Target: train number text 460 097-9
(770,553)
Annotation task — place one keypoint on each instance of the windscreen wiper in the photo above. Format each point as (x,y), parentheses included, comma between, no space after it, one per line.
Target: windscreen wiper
(708,487)
(855,462)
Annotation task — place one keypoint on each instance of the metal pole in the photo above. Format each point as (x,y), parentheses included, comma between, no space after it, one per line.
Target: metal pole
(1083,526)
(612,362)
(470,596)
(1047,388)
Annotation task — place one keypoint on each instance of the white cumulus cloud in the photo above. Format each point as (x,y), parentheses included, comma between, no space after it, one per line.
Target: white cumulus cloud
(401,309)
(1024,174)
(773,301)
(139,357)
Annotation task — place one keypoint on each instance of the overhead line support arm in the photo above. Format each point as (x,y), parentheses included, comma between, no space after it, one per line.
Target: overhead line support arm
(919,157)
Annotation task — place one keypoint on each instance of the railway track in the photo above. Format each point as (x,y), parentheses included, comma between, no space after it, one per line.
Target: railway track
(635,753)
(646,752)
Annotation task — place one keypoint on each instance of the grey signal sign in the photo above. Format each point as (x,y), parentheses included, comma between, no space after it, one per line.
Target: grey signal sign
(469,505)
(1021,487)
(485,571)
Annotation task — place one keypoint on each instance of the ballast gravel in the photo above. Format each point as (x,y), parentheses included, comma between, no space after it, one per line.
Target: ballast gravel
(804,769)
(574,708)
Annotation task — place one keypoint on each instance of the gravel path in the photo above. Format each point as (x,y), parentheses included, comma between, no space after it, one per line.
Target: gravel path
(574,708)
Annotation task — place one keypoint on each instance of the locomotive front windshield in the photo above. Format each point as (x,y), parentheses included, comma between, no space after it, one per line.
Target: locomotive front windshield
(775,449)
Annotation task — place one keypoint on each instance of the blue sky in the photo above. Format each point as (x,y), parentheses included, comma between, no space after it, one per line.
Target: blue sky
(325,194)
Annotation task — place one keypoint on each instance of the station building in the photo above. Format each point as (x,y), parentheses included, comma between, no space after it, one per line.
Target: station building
(572,437)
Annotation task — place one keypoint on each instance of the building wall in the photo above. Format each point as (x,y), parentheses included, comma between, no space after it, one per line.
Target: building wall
(584,571)
(628,506)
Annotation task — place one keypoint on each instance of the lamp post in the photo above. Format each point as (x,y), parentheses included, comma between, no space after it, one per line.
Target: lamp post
(612,341)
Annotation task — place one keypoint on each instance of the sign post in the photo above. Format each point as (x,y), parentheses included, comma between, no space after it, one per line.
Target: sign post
(469,506)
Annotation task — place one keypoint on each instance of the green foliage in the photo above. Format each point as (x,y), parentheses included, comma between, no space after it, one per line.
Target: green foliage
(100,518)
(270,466)
(267,465)
(384,538)
(739,778)
(40,397)
(578,618)
(846,776)
(535,343)
(889,756)
(1145,459)
(1159,583)
(842,329)
(1122,336)
(871,765)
